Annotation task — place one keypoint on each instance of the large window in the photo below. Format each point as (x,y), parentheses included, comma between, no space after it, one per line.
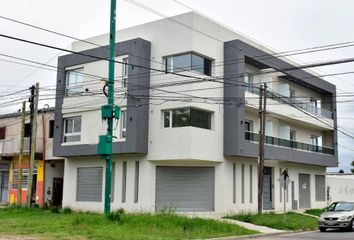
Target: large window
(74,80)
(72,129)
(183,117)
(186,62)
(25,174)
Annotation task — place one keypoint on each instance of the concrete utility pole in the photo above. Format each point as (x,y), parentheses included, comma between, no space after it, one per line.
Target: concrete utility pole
(262,123)
(109,112)
(33,145)
(20,158)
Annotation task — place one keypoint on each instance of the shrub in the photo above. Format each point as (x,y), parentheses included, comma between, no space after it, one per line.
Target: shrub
(55,210)
(67,210)
(35,205)
(116,216)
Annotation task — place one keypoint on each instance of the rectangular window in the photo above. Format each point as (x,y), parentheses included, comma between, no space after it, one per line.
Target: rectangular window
(89,184)
(28,130)
(187,62)
(136,183)
(234,182)
(123,125)
(251,184)
(74,80)
(2,132)
(242,183)
(72,129)
(125,67)
(183,117)
(51,129)
(292,93)
(124,182)
(280,187)
(16,177)
(292,135)
(320,188)
(248,126)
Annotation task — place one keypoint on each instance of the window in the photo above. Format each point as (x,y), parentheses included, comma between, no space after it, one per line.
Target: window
(2,132)
(28,130)
(234,182)
(314,140)
(89,184)
(242,183)
(248,79)
(292,135)
(248,126)
(74,80)
(183,117)
(72,129)
(25,174)
(51,128)
(125,72)
(292,93)
(124,181)
(187,62)
(136,183)
(123,125)
(251,184)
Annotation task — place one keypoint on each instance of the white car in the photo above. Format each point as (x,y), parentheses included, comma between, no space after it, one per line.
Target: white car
(337,215)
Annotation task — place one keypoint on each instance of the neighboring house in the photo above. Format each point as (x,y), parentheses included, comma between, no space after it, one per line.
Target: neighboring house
(340,187)
(47,178)
(192,146)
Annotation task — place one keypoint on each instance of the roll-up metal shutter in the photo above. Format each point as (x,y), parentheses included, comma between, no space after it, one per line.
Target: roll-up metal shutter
(89,184)
(185,189)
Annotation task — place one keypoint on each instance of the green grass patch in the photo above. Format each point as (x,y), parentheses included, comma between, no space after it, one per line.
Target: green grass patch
(73,225)
(315,211)
(294,221)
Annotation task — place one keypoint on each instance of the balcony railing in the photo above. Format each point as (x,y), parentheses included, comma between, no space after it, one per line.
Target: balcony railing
(11,146)
(296,103)
(254,137)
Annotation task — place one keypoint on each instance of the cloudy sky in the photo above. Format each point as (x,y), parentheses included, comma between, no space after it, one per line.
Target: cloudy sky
(281,24)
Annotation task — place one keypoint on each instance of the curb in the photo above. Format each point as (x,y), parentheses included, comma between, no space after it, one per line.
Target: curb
(260,235)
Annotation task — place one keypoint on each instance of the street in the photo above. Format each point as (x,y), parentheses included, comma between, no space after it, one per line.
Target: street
(330,235)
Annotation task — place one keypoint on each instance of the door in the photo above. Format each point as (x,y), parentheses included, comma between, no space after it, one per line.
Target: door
(4,186)
(57,195)
(34,188)
(304,191)
(267,189)
(185,189)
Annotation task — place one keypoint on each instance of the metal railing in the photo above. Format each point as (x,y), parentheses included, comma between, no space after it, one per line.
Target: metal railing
(11,146)
(254,137)
(296,103)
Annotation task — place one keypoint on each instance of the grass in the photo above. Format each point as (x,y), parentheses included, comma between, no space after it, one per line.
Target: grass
(315,211)
(51,225)
(294,221)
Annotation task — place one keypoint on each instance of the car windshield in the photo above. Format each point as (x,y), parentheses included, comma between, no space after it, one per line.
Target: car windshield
(341,206)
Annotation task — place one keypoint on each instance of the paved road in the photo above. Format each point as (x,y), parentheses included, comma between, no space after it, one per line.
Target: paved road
(330,235)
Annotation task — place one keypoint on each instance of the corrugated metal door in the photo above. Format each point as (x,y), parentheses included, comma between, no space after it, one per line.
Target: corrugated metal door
(304,191)
(89,184)
(185,189)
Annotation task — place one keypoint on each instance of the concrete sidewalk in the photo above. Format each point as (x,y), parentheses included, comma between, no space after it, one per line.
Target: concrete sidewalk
(261,229)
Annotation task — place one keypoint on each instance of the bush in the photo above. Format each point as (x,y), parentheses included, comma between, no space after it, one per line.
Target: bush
(67,210)
(116,216)
(35,205)
(55,210)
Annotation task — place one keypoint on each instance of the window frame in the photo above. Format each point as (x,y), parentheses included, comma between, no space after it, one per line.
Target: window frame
(72,134)
(125,72)
(170,68)
(170,111)
(123,125)
(79,89)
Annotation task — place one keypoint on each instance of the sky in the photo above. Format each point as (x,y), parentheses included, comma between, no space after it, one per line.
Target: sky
(282,25)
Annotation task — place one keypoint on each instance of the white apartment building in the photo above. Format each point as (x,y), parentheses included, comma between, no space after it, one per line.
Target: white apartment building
(189,141)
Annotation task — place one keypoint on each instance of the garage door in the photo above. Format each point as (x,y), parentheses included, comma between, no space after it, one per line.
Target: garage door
(185,189)
(304,191)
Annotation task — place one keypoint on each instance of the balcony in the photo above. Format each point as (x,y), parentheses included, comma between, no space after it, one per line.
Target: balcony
(293,102)
(12,146)
(254,137)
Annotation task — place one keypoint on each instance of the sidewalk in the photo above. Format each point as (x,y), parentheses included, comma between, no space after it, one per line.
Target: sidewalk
(261,229)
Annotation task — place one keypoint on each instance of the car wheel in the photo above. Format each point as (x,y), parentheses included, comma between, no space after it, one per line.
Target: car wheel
(352,225)
(323,229)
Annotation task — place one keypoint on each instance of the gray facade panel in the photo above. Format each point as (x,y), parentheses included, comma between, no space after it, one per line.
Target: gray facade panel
(139,52)
(234,107)
(89,184)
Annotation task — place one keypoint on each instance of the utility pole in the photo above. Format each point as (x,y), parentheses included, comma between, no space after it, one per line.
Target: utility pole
(109,112)
(20,159)
(262,122)
(33,144)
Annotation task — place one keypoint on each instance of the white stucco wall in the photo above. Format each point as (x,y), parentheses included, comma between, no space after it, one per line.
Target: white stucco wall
(341,187)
